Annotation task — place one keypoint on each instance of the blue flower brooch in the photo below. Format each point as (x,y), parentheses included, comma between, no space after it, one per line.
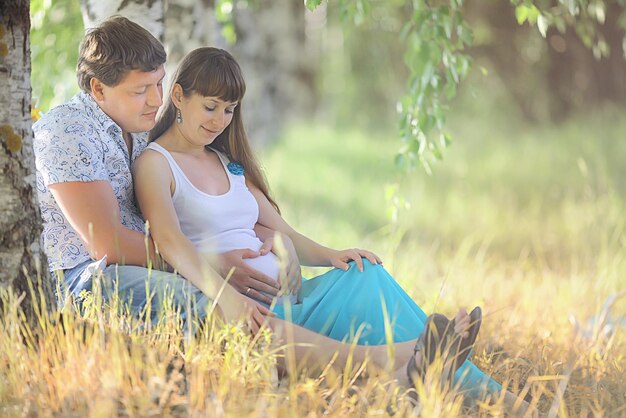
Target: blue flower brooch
(235,168)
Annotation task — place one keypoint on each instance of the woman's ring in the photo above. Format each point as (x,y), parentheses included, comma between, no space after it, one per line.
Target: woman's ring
(248,290)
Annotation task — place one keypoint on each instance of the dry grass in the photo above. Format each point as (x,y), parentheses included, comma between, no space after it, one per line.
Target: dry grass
(105,362)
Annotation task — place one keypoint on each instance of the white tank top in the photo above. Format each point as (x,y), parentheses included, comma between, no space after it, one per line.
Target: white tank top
(218,223)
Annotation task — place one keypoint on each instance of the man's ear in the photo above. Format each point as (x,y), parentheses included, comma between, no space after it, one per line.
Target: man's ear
(97,89)
(177,94)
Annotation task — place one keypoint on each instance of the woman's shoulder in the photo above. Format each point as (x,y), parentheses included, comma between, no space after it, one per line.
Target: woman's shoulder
(151,157)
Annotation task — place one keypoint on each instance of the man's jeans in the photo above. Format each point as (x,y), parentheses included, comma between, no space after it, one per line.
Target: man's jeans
(132,285)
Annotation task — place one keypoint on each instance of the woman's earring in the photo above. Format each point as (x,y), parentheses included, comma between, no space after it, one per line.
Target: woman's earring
(179,117)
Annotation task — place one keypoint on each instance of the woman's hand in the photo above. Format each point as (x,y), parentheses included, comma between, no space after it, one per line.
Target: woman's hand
(244,278)
(340,258)
(235,306)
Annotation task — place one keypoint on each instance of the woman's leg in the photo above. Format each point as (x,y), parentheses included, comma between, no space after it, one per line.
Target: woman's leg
(314,351)
(304,348)
(340,303)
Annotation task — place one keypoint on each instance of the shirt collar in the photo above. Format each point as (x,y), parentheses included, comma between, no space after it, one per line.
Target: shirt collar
(98,113)
(140,139)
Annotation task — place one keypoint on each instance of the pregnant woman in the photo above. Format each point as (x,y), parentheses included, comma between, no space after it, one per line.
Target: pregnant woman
(202,192)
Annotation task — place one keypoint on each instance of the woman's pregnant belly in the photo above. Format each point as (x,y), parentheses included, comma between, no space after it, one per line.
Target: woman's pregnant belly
(266,264)
(240,239)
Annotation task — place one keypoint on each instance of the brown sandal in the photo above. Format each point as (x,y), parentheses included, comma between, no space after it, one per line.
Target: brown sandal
(465,345)
(439,339)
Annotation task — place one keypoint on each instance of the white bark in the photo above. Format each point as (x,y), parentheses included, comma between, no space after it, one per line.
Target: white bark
(190,24)
(147,13)
(271,49)
(20,223)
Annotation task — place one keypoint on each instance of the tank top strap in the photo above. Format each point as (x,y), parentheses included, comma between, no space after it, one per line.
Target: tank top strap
(234,170)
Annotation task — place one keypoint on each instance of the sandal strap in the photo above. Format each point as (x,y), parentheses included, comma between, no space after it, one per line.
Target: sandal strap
(419,346)
(413,369)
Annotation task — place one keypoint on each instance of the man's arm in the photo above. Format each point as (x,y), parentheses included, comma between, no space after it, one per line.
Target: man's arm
(92,210)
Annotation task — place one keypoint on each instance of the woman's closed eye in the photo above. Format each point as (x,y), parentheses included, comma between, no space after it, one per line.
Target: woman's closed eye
(211,109)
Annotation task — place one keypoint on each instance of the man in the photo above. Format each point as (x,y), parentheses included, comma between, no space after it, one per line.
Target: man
(84,151)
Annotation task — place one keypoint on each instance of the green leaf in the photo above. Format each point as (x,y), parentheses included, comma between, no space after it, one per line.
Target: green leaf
(415,146)
(445,140)
(466,36)
(525,13)
(399,160)
(437,153)
(450,90)
(604,48)
(533,14)
(453,73)
(447,26)
(573,8)
(462,65)
(312,4)
(440,117)
(521,14)
(598,10)
(406,29)
(543,24)
(559,22)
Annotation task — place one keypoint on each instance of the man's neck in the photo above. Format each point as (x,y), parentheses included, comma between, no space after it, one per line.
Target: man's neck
(128,139)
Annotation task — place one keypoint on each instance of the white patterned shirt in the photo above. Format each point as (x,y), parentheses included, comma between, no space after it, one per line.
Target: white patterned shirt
(77,141)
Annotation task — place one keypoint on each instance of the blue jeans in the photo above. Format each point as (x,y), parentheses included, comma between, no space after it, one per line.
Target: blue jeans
(138,288)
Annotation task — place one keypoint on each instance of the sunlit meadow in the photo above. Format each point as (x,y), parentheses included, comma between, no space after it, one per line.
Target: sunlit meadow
(525,221)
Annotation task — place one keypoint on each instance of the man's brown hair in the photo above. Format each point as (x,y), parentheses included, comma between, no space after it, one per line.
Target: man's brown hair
(115,47)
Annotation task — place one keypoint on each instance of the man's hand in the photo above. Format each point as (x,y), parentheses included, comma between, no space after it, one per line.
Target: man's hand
(245,279)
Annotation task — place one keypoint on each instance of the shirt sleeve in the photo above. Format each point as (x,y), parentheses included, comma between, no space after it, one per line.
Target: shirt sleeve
(68,148)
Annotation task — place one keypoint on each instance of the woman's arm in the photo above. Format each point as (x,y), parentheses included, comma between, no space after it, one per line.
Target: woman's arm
(153,187)
(309,252)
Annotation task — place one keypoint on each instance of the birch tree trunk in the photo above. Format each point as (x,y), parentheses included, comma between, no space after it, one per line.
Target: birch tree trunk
(20,222)
(147,13)
(190,24)
(277,63)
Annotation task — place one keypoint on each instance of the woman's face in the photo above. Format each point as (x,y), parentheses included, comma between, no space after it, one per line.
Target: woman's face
(204,118)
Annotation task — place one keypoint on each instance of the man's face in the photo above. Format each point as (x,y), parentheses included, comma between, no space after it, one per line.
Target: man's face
(132,103)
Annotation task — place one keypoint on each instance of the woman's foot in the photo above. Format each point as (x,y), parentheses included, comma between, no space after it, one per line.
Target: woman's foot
(462,323)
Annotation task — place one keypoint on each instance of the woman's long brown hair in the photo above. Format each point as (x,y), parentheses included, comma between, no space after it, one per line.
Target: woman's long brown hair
(213,72)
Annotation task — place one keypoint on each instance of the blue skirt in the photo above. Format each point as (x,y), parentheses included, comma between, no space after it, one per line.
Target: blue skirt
(365,307)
